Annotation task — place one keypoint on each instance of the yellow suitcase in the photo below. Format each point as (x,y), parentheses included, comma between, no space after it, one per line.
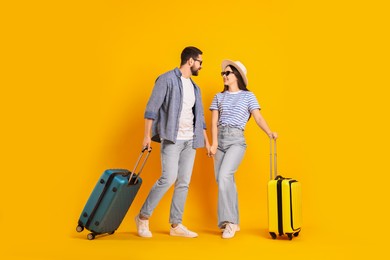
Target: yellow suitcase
(284,203)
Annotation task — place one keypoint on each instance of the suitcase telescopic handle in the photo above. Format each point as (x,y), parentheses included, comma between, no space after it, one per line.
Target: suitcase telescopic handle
(142,165)
(273,153)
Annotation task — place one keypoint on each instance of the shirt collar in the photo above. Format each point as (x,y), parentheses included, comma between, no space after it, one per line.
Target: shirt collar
(177,72)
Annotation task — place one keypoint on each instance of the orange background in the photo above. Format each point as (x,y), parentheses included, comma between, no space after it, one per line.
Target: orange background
(75,78)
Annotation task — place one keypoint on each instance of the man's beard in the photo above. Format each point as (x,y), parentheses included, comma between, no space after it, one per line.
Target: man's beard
(194,72)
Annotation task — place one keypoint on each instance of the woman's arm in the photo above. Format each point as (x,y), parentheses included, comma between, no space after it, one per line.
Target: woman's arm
(260,121)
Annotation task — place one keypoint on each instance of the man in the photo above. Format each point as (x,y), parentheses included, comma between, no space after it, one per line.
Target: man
(174,116)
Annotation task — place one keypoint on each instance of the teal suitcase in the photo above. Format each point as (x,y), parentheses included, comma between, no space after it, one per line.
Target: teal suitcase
(110,200)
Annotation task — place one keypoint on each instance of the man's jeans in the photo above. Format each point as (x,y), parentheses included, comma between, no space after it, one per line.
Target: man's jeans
(231,150)
(177,163)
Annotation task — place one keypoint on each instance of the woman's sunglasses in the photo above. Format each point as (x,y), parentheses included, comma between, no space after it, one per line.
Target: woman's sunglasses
(227,73)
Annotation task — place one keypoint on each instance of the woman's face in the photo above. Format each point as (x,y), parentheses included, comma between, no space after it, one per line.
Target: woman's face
(228,76)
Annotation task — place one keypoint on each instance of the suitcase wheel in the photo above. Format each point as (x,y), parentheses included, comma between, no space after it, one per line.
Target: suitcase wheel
(290,236)
(91,236)
(79,228)
(296,234)
(273,235)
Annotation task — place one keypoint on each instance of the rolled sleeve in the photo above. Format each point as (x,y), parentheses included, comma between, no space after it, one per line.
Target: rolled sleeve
(150,115)
(252,102)
(214,103)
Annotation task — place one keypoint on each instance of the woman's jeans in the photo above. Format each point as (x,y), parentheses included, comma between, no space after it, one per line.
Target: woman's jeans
(231,150)
(177,162)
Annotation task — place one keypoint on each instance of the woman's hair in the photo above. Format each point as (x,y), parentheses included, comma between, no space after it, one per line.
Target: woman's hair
(189,52)
(240,80)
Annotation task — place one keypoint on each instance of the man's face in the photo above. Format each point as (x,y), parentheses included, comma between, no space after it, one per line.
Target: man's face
(196,66)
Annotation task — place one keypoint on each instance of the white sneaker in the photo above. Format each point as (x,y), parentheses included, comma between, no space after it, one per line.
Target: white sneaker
(181,231)
(222,228)
(230,230)
(142,227)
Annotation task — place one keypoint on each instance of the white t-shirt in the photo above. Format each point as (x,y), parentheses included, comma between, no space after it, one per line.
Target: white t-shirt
(186,120)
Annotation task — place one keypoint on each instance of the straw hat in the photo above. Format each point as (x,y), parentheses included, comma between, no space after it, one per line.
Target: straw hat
(239,66)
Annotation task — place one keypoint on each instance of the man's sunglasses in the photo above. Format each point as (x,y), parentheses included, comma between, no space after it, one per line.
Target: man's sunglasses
(200,61)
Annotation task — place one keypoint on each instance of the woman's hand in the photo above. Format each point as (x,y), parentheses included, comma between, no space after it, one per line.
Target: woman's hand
(213,149)
(273,135)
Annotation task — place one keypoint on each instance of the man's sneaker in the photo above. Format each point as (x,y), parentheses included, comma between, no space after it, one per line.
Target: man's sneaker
(182,231)
(142,227)
(230,230)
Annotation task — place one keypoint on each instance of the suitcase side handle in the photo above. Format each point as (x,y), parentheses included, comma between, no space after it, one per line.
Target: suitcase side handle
(142,165)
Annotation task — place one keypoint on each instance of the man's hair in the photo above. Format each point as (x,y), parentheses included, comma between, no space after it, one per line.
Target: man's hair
(188,53)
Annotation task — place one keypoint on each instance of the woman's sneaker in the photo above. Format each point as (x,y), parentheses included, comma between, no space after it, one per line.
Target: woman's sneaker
(230,230)
(223,226)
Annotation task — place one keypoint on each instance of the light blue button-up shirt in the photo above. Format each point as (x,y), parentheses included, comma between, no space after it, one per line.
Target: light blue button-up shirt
(164,108)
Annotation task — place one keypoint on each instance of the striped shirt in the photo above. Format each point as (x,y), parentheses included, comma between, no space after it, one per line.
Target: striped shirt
(234,108)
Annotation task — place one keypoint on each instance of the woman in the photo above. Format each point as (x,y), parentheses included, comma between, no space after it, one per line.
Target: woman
(231,109)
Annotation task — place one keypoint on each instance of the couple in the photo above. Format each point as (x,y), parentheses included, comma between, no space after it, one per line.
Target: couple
(174,116)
